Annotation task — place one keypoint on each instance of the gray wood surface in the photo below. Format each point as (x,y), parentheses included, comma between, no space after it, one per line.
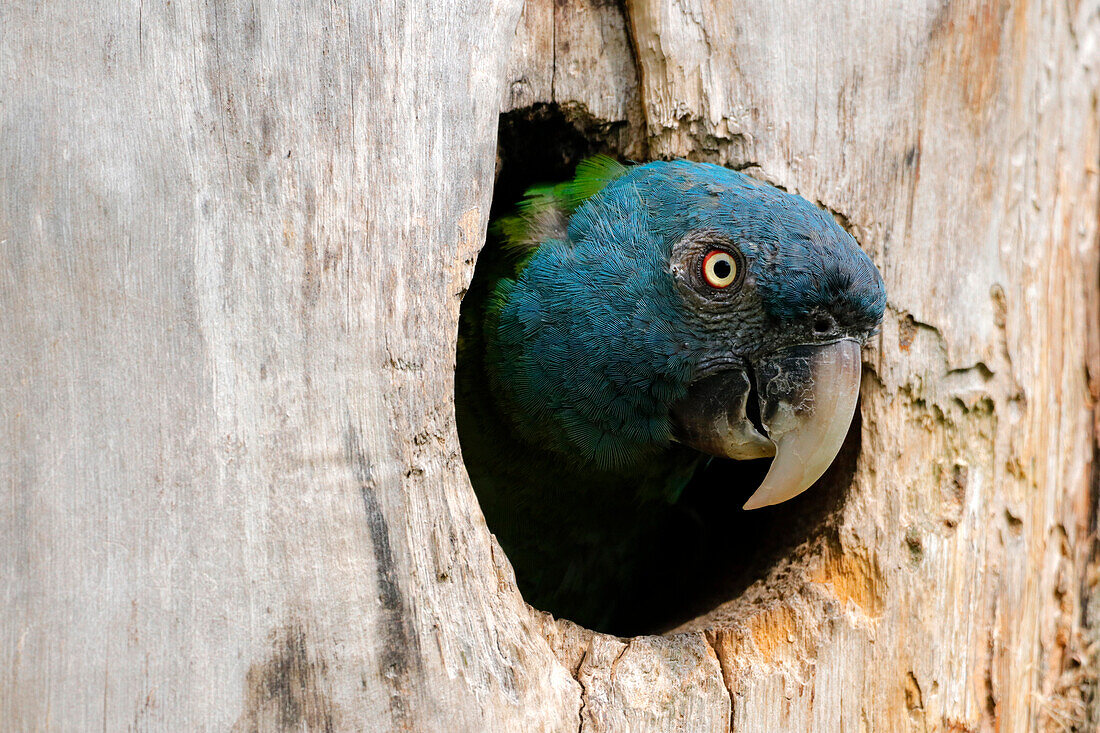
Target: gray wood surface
(233,243)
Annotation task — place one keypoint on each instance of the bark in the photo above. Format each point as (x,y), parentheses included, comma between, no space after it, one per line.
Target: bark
(234,241)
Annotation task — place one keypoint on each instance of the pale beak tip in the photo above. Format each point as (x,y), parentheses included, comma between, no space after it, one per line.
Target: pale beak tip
(805,445)
(770,495)
(754,503)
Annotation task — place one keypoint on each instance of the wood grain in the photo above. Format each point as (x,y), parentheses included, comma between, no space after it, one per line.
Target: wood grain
(233,242)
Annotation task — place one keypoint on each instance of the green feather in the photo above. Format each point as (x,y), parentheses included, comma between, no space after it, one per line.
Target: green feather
(592,175)
(562,525)
(545,208)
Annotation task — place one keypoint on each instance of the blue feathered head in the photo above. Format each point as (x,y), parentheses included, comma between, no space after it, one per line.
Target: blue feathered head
(679,301)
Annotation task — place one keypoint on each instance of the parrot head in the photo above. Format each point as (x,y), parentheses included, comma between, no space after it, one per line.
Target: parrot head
(680,302)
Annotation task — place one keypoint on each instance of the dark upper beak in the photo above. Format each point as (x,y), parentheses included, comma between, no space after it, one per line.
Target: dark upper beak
(807,398)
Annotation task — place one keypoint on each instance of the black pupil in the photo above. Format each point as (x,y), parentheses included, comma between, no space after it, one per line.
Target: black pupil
(722,269)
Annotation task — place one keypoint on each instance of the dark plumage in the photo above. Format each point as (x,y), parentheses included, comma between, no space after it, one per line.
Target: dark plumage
(581,354)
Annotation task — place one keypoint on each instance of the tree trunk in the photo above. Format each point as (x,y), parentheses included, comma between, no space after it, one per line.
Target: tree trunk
(233,243)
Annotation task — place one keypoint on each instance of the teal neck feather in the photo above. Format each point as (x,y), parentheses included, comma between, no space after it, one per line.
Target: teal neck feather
(580,345)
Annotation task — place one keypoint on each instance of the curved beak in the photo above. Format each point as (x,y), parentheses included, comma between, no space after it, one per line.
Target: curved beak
(808,397)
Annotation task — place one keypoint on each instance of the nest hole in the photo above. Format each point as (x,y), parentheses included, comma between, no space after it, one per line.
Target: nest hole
(707,550)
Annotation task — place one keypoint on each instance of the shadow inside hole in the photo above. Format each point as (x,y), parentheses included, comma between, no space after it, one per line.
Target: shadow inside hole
(542,144)
(713,550)
(705,550)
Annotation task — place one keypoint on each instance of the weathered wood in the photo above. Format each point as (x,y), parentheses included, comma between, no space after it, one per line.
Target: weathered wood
(232,248)
(960,142)
(234,243)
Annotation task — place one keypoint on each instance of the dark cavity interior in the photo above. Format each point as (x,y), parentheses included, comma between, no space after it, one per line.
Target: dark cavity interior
(708,550)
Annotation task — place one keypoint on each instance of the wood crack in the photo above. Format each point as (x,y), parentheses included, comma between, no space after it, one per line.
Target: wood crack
(710,638)
(584,688)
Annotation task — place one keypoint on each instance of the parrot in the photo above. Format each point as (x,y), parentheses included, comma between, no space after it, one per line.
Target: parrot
(638,321)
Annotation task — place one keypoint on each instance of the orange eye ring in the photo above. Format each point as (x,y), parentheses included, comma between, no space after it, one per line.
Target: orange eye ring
(719,269)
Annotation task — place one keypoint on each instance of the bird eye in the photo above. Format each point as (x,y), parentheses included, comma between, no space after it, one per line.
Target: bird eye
(719,269)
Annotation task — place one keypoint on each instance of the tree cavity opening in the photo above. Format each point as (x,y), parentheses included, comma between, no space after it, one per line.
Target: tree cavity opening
(704,550)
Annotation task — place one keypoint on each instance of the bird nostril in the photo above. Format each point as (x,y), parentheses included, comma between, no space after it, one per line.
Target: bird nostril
(823,325)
